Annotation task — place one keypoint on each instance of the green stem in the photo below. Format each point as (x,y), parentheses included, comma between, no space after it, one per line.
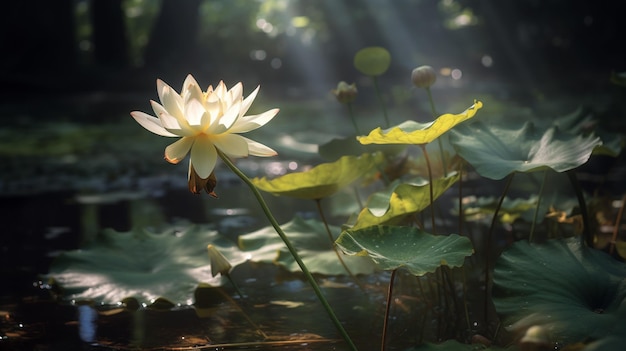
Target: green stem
(240,309)
(587,237)
(351,113)
(532,226)
(381,101)
(430,187)
(461,214)
(488,243)
(291,248)
(618,220)
(387,309)
(318,202)
(434,112)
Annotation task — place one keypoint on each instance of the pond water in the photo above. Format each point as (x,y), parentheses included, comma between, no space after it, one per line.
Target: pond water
(74,164)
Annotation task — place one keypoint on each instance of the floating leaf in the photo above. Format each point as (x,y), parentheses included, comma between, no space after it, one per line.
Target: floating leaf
(310,238)
(393,247)
(142,265)
(496,152)
(411,132)
(576,292)
(372,61)
(400,200)
(321,181)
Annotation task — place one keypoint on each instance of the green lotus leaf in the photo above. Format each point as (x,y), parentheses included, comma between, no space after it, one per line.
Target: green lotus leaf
(412,132)
(575,292)
(606,344)
(142,265)
(310,238)
(400,200)
(496,152)
(582,122)
(392,247)
(321,181)
(372,61)
(612,143)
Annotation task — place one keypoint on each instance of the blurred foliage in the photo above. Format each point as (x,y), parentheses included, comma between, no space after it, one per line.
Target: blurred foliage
(263,29)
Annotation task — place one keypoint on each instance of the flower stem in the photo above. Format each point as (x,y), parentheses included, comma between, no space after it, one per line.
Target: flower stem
(618,220)
(291,248)
(488,244)
(430,187)
(532,227)
(387,309)
(318,202)
(434,112)
(586,237)
(351,113)
(381,101)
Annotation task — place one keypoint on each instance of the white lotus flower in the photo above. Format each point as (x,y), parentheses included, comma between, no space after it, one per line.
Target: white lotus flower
(205,122)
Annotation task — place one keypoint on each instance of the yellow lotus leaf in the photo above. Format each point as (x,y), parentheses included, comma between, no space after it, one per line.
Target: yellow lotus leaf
(412,132)
(406,200)
(322,180)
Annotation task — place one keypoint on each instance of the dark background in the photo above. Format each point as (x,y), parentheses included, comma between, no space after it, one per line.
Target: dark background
(68,46)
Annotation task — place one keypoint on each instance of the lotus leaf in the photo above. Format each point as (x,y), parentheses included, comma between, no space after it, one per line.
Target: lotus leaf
(321,181)
(372,61)
(577,293)
(400,200)
(496,152)
(412,132)
(582,122)
(606,344)
(392,247)
(310,238)
(142,265)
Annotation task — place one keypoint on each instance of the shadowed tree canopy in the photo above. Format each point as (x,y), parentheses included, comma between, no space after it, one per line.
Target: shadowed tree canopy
(172,41)
(109,33)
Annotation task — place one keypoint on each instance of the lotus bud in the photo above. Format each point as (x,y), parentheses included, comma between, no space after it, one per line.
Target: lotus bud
(219,263)
(345,93)
(423,77)
(372,61)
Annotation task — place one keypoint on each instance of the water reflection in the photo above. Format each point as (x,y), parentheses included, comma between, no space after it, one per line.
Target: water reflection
(87,318)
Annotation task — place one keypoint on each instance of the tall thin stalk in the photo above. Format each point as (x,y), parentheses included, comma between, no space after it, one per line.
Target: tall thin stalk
(434,112)
(318,202)
(618,220)
(586,237)
(532,226)
(387,309)
(307,274)
(430,187)
(509,180)
(353,119)
(381,101)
